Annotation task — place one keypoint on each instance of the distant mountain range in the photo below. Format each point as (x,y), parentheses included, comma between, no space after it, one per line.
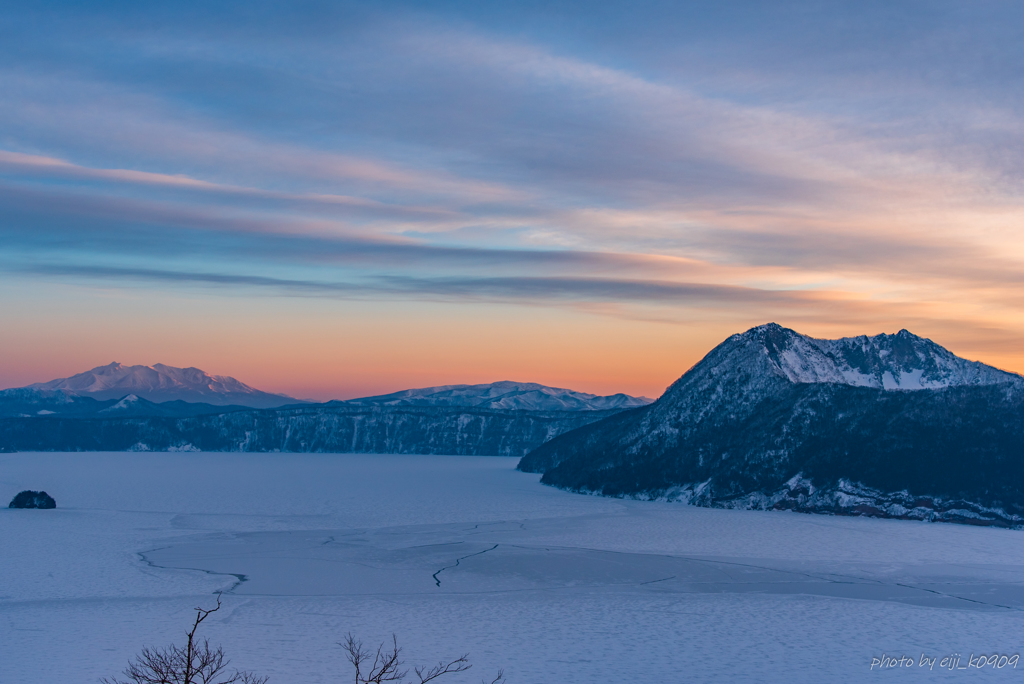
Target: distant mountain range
(891,425)
(499,419)
(527,396)
(160,383)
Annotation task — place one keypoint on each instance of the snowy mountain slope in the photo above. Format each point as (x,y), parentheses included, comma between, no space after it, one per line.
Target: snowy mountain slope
(161,383)
(126,404)
(30,402)
(135,406)
(27,403)
(528,396)
(902,361)
(770,404)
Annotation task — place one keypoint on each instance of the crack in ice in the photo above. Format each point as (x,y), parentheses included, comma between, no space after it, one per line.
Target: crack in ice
(239,577)
(457,561)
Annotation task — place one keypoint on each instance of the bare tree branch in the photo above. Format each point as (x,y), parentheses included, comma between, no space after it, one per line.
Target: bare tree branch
(196,663)
(387,667)
(459,665)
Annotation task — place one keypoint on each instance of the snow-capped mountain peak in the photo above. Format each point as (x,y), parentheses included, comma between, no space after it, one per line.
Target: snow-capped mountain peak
(160,382)
(123,405)
(902,361)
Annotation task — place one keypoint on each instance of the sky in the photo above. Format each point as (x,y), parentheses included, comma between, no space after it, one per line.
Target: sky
(335,199)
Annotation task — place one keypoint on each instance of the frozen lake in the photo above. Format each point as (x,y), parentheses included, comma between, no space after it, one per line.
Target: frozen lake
(464,554)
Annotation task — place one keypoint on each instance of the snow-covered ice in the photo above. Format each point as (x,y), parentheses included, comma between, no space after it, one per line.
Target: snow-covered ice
(465,554)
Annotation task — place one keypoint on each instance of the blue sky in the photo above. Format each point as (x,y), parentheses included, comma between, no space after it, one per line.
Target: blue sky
(225,185)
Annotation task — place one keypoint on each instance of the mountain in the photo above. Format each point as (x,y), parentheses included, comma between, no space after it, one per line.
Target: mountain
(502,419)
(135,406)
(27,403)
(160,383)
(891,425)
(902,361)
(338,427)
(528,396)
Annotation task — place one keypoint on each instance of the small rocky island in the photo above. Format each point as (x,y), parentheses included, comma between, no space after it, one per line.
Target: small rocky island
(30,499)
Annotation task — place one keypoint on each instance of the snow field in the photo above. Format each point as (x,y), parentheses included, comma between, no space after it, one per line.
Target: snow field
(562,587)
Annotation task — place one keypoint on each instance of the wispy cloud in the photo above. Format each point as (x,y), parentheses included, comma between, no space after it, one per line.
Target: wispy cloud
(27,165)
(529,289)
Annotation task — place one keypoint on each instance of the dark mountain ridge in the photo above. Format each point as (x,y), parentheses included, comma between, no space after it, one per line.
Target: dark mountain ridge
(337,428)
(26,403)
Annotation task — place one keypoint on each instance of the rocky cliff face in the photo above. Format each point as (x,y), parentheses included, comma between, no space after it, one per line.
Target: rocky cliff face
(339,428)
(888,414)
